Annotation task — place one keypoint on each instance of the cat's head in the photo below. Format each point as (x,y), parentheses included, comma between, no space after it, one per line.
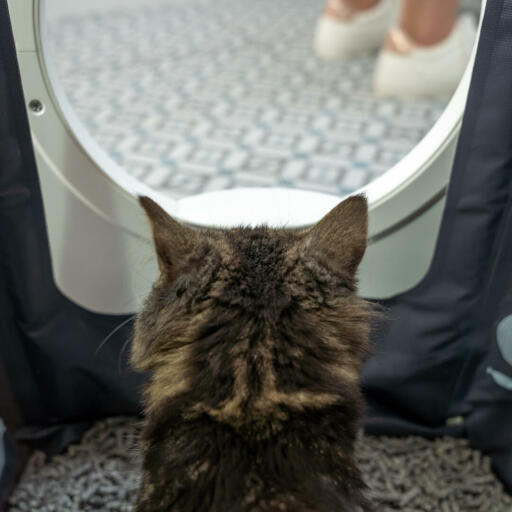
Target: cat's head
(265,312)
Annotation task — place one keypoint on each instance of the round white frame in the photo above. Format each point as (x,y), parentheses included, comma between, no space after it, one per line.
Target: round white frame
(100,241)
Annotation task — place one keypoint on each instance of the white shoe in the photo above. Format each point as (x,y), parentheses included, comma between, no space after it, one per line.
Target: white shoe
(407,70)
(343,32)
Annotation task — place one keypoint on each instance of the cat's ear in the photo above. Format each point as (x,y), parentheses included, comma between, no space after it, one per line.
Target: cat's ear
(341,236)
(173,241)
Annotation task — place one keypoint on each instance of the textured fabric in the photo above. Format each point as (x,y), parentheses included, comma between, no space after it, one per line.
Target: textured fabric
(49,369)
(438,364)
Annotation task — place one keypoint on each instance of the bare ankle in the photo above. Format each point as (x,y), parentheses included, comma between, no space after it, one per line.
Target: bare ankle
(427,36)
(428,22)
(362,5)
(345,9)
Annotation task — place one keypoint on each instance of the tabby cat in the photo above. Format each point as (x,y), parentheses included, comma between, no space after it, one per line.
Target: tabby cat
(254,338)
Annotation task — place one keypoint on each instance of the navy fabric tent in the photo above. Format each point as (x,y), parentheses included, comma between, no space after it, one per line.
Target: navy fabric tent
(443,363)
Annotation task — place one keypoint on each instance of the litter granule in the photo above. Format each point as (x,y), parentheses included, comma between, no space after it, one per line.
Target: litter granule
(101,473)
(408,474)
(414,474)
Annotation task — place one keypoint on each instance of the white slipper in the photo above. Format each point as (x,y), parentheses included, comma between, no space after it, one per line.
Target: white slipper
(406,70)
(342,32)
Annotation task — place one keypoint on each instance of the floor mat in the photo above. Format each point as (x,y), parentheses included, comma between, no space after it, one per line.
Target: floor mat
(192,95)
(408,474)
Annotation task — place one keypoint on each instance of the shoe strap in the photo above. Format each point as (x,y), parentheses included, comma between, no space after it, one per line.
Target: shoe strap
(398,41)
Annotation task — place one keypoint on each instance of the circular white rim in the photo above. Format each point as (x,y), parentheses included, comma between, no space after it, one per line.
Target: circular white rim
(272,206)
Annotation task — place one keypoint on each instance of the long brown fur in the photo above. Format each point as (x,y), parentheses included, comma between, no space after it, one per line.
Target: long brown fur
(254,339)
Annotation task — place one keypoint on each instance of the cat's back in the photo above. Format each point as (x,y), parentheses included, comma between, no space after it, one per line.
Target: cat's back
(204,465)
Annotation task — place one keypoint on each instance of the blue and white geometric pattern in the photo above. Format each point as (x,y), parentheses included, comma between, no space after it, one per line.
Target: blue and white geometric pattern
(198,95)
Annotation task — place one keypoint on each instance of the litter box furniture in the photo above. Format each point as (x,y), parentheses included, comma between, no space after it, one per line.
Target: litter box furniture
(440,263)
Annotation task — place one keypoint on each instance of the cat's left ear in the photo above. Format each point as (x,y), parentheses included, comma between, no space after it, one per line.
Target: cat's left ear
(173,241)
(341,236)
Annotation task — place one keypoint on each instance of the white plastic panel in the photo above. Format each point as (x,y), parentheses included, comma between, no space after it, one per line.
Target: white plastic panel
(99,239)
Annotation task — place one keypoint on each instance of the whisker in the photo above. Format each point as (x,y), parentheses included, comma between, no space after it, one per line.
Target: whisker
(119,360)
(121,325)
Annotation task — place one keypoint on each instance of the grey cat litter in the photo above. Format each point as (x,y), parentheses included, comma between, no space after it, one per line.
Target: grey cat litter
(406,474)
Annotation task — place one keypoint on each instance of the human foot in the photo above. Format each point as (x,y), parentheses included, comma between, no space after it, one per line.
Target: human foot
(351,27)
(406,69)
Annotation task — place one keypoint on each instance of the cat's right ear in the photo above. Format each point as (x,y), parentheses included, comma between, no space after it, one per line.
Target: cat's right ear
(341,236)
(173,241)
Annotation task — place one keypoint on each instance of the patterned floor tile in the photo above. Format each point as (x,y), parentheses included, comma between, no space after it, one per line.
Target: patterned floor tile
(190,96)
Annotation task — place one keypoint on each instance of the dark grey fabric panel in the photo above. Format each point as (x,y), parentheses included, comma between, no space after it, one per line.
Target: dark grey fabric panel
(432,358)
(12,460)
(53,381)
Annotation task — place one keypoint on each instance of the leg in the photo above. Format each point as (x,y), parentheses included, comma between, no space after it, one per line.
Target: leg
(427,55)
(361,5)
(428,22)
(339,9)
(352,27)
